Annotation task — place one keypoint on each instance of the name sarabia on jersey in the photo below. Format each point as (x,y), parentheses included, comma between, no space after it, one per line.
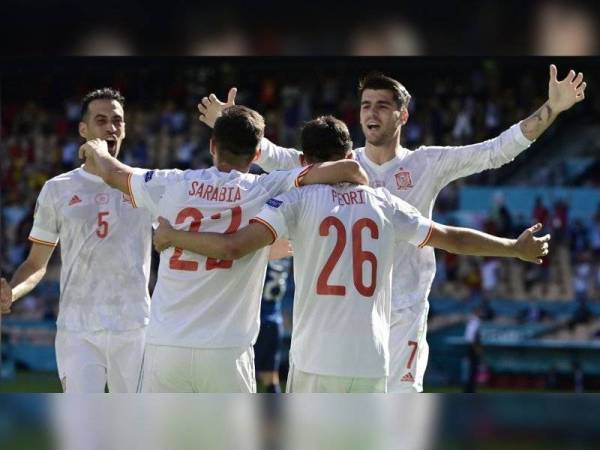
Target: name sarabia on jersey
(215,193)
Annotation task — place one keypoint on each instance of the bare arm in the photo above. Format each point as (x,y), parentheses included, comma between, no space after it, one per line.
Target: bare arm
(26,277)
(466,241)
(562,95)
(213,245)
(332,172)
(99,162)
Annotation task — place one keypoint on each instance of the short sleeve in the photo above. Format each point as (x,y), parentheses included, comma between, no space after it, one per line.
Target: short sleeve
(279,215)
(147,187)
(45,228)
(410,225)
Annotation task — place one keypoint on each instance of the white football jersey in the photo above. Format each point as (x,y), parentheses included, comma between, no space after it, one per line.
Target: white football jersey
(417,177)
(345,239)
(104,248)
(202,302)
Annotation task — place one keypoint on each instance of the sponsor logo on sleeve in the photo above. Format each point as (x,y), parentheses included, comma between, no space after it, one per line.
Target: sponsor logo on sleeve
(148,176)
(274,203)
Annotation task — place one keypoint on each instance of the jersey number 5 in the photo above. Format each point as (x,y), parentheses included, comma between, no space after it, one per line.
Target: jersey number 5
(359,257)
(176,263)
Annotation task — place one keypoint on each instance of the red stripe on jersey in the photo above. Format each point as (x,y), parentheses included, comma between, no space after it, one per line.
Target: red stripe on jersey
(301,175)
(39,241)
(133,202)
(266,224)
(426,240)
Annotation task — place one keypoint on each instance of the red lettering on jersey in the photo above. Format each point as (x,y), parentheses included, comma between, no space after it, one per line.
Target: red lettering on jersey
(348,198)
(214,193)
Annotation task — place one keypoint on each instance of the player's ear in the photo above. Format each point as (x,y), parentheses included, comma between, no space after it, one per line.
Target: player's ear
(257,154)
(212,148)
(403,116)
(83,130)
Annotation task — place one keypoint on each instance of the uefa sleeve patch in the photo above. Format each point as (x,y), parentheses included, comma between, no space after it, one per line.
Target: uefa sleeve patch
(274,203)
(148,176)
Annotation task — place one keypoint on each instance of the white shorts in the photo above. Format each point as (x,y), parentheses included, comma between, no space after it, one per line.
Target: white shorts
(184,369)
(89,361)
(304,382)
(409,351)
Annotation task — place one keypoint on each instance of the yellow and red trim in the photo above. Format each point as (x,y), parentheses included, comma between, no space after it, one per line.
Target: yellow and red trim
(40,241)
(133,202)
(427,238)
(266,224)
(298,180)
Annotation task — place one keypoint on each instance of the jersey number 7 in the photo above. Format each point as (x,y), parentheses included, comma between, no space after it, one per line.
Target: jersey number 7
(176,263)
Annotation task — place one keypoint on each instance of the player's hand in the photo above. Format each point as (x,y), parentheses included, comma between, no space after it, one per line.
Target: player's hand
(281,248)
(565,93)
(161,235)
(98,146)
(5,296)
(211,107)
(530,248)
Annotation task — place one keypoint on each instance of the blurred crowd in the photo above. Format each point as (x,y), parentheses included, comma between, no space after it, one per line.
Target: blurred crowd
(454,103)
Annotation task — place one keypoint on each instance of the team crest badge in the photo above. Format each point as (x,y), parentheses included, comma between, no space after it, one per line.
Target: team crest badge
(403,180)
(102,199)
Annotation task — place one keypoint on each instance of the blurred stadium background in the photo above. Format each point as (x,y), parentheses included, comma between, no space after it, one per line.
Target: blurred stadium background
(537,327)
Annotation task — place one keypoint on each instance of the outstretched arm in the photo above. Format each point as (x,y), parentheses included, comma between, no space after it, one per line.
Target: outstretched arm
(100,162)
(466,241)
(562,95)
(213,245)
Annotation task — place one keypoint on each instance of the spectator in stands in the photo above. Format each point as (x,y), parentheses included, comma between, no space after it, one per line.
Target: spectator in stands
(541,214)
(560,221)
(474,350)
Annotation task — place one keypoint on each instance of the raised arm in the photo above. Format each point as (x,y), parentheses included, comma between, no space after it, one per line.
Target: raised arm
(562,95)
(272,157)
(466,241)
(213,245)
(332,172)
(100,162)
(26,277)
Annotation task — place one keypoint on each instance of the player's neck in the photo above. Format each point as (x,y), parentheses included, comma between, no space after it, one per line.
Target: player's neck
(381,154)
(226,167)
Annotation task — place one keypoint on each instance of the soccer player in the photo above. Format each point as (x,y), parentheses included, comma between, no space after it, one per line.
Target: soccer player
(205,311)
(417,177)
(105,255)
(345,240)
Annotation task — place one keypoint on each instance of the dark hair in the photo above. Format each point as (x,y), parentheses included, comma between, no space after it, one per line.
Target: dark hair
(378,81)
(100,94)
(238,131)
(325,139)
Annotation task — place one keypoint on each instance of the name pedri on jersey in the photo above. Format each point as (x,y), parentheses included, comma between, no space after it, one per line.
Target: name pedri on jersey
(417,177)
(198,301)
(104,249)
(345,239)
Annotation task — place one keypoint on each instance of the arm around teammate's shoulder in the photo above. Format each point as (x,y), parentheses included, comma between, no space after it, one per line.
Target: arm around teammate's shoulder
(332,172)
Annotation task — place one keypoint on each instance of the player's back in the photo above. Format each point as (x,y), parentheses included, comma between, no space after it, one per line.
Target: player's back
(198,301)
(344,240)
